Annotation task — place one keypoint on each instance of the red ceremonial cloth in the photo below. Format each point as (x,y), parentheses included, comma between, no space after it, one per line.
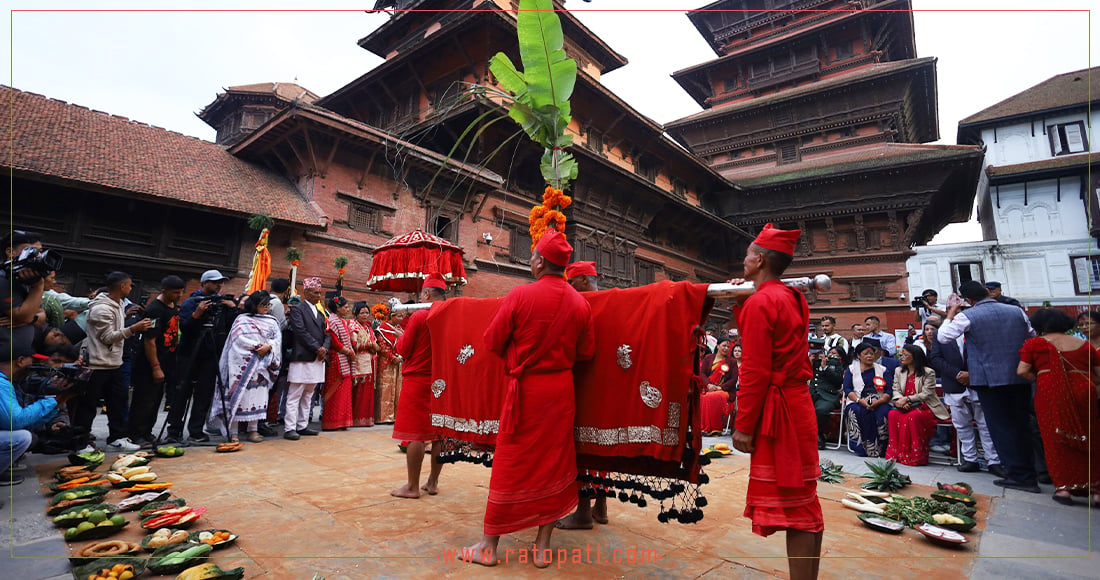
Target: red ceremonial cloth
(615,429)
(774,405)
(413,419)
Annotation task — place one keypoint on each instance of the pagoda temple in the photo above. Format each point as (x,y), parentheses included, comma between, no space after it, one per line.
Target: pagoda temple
(821,113)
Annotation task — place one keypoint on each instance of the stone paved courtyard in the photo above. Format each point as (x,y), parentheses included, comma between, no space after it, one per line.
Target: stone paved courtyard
(322,505)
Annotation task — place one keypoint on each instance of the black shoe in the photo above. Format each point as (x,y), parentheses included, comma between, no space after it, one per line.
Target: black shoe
(820,442)
(292,435)
(308,432)
(264,430)
(1062,499)
(998,470)
(1010,484)
(8,478)
(969,467)
(1045,479)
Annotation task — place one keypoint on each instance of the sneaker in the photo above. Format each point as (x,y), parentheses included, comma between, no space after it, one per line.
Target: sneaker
(8,478)
(88,449)
(940,448)
(18,467)
(123,444)
(172,440)
(204,438)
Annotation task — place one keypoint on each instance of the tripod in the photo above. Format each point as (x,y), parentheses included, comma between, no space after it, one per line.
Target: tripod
(211,333)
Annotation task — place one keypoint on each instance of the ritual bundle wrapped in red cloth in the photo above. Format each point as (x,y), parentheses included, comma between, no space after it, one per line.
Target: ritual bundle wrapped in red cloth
(637,399)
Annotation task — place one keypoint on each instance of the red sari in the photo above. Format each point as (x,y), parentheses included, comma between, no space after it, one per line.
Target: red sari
(362,393)
(715,405)
(1065,405)
(774,405)
(414,405)
(336,412)
(540,330)
(910,432)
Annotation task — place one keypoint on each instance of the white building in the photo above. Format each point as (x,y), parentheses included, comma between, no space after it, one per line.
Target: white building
(1033,197)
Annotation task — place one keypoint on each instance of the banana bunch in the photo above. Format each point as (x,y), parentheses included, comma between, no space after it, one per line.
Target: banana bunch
(132,475)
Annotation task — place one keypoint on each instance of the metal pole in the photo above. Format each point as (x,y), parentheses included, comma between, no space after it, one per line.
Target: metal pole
(821,283)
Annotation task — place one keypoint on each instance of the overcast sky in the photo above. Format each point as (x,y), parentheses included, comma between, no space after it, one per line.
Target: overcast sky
(160,67)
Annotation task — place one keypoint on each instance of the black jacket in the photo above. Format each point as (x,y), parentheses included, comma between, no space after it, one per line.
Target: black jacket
(947,362)
(310,333)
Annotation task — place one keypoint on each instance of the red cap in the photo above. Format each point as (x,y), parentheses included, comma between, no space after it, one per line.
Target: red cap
(580,269)
(435,280)
(554,248)
(782,241)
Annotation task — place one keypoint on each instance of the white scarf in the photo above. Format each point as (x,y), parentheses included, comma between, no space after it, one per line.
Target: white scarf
(857,376)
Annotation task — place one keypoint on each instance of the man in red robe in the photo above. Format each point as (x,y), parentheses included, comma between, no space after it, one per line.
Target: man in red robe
(582,276)
(775,414)
(540,330)
(414,405)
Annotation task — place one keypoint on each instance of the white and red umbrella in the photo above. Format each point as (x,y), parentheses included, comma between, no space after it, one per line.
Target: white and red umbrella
(402,263)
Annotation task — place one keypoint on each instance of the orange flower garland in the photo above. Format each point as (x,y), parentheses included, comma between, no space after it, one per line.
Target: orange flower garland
(548,214)
(380,311)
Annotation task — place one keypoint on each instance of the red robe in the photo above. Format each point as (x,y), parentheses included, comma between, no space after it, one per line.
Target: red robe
(774,405)
(534,465)
(414,405)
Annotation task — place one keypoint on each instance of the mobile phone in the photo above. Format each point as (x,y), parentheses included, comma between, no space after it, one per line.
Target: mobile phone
(152,323)
(954,300)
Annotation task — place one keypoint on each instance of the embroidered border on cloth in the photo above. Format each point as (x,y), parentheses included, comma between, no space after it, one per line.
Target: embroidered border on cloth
(669,437)
(465,425)
(438,386)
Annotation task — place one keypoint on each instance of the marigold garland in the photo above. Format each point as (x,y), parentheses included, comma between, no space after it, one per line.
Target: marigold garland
(380,311)
(548,215)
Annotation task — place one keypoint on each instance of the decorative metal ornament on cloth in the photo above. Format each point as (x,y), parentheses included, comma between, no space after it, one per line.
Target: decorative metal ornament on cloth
(438,387)
(465,354)
(650,395)
(623,355)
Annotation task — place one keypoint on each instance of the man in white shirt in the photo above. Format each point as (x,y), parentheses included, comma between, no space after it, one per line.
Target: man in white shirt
(827,328)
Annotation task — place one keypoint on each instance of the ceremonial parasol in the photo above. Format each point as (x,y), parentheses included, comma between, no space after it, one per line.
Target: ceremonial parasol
(402,263)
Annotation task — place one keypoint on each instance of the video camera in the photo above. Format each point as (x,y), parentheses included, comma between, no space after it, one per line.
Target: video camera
(36,260)
(43,380)
(817,345)
(918,302)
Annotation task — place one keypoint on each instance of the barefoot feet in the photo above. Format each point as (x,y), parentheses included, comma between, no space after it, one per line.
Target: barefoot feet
(406,491)
(430,488)
(541,557)
(574,521)
(480,553)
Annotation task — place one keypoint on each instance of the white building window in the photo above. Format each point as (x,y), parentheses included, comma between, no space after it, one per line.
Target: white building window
(965,272)
(1086,274)
(1067,138)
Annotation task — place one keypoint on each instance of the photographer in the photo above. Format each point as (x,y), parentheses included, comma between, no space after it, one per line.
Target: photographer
(205,318)
(925,306)
(106,335)
(50,374)
(25,275)
(155,360)
(13,415)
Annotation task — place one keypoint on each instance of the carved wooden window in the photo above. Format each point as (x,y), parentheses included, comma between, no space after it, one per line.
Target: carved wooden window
(646,170)
(1086,274)
(679,188)
(519,244)
(865,291)
(595,141)
(788,152)
(1067,138)
(844,50)
(783,116)
(644,272)
(445,227)
(965,272)
(363,219)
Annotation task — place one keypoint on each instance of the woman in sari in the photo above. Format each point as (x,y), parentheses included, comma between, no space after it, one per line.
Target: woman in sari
(248,367)
(388,378)
(912,423)
(365,346)
(336,411)
(868,388)
(1065,403)
(719,371)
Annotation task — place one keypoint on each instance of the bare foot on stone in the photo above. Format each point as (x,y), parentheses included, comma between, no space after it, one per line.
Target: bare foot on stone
(406,492)
(541,557)
(430,488)
(480,553)
(574,521)
(599,511)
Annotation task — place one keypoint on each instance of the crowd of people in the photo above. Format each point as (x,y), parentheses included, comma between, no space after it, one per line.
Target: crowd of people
(979,367)
(221,365)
